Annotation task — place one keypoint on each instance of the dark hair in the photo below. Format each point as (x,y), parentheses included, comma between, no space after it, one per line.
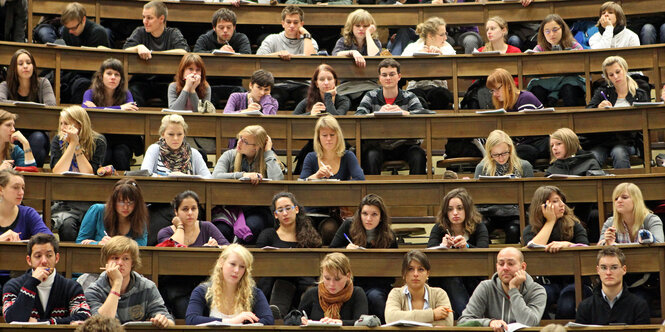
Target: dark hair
(384,236)
(128,189)
(177,200)
(13,81)
(306,235)
(567,40)
(293,9)
(5,116)
(43,238)
(313,93)
(97,86)
(471,215)
(262,77)
(537,220)
(223,14)
(418,256)
(186,61)
(613,251)
(388,63)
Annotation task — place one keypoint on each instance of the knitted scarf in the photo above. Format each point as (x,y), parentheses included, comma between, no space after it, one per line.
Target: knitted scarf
(332,303)
(179,160)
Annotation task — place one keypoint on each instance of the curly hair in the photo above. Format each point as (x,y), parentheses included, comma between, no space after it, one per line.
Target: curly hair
(306,235)
(384,236)
(244,296)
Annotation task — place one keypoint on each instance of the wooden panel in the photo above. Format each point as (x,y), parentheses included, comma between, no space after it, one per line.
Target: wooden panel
(608,121)
(557,63)
(301,262)
(129,123)
(527,124)
(652,188)
(228,194)
(379,128)
(446,127)
(496,192)
(542,263)
(515,11)
(276,128)
(407,193)
(576,191)
(578,9)
(42,118)
(463,13)
(304,128)
(168,258)
(441,261)
(482,65)
(337,194)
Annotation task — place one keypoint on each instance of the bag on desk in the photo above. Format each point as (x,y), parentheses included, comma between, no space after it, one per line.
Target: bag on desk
(293,318)
(170,243)
(205,106)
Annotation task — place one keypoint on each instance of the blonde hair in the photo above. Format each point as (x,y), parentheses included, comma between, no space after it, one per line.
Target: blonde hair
(358,16)
(640,210)
(502,78)
(119,245)
(86,135)
(172,119)
(502,25)
(9,146)
(329,122)
(553,328)
(261,137)
(495,138)
(611,60)
(430,27)
(336,262)
(244,296)
(569,139)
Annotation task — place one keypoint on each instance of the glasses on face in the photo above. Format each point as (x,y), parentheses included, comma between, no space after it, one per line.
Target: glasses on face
(554,30)
(500,155)
(612,268)
(391,75)
(75,27)
(286,208)
(125,203)
(244,141)
(498,88)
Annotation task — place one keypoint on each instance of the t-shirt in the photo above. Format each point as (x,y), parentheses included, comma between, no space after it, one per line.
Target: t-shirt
(170,39)
(93,35)
(278,42)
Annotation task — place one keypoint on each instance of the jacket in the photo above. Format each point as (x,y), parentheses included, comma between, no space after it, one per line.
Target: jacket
(397,307)
(578,164)
(628,309)
(611,94)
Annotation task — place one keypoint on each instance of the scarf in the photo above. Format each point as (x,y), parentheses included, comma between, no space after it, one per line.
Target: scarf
(176,160)
(617,29)
(332,303)
(501,169)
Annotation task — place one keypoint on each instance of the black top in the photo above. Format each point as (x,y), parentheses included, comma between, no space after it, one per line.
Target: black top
(578,164)
(339,107)
(479,239)
(349,312)
(207,42)
(269,237)
(611,94)
(11,226)
(579,234)
(339,241)
(93,35)
(97,156)
(169,40)
(628,309)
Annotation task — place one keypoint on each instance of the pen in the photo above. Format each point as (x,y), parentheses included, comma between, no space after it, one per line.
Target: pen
(323,165)
(347,238)
(448,309)
(604,96)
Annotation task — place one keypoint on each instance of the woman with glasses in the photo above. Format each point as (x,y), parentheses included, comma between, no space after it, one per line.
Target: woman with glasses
(125,213)
(507,96)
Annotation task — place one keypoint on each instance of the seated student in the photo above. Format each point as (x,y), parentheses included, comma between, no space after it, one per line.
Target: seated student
(507,96)
(390,98)
(553,224)
(612,31)
(433,36)
(319,2)
(416,300)
(293,229)
(257,99)
(76,147)
(13,155)
(621,91)
(23,84)
(108,91)
(554,35)
(358,37)
(458,225)
(567,156)
(369,228)
(123,293)
(125,213)
(322,95)
(153,36)
(190,85)
(41,294)
(510,296)
(21,222)
(172,154)
(223,35)
(335,300)
(497,33)
(611,302)
(230,295)
(99,323)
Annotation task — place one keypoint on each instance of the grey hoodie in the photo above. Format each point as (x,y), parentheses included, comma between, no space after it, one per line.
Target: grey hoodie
(489,302)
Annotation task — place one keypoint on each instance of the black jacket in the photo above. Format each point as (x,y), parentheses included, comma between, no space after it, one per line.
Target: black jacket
(479,238)
(207,42)
(611,93)
(578,164)
(628,309)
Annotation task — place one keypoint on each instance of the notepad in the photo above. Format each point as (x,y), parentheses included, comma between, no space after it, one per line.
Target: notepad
(425,54)
(497,111)
(220,52)
(407,323)
(648,103)
(547,109)
(476,52)
(27,103)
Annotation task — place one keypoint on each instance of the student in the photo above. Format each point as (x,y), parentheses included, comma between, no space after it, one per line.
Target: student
(497,32)
(416,300)
(21,222)
(567,156)
(190,86)
(76,147)
(510,296)
(322,95)
(99,323)
(123,293)
(335,300)
(172,154)
(223,35)
(390,98)
(257,99)
(125,213)
(458,226)
(359,38)
(230,295)
(108,91)
(612,31)
(293,229)
(611,302)
(554,35)
(23,84)
(41,294)
(369,228)
(13,155)
(507,96)
(433,38)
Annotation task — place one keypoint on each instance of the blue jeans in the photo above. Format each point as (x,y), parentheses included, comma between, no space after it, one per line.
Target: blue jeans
(564,297)
(376,301)
(620,154)
(456,290)
(649,35)
(403,37)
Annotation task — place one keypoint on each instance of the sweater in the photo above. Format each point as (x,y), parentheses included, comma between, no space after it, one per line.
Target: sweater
(97,156)
(349,312)
(526,101)
(198,310)
(92,227)
(339,107)
(373,101)
(577,164)
(27,223)
(579,234)
(93,35)
(397,307)
(628,309)
(340,47)
(224,167)
(45,93)
(269,237)
(18,156)
(152,161)
(339,241)
(349,168)
(179,101)
(611,94)
(524,305)
(527,169)
(206,231)
(608,39)
(140,302)
(651,222)
(479,238)
(170,39)
(279,42)
(207,42)
(66,302)
(87,96)
(238,102)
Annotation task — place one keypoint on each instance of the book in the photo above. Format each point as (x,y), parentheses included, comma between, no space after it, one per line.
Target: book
(220,52)
(425,54)
(497,111)
(547,109)
(407,323)
(176,111)
(476,52)
(648,103)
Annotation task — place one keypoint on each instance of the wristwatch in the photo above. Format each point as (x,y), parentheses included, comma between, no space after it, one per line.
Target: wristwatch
(307,36)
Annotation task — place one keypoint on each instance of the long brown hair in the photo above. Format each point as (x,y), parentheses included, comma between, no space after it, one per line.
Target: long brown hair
(306,235)
(537,219)
(384,236)
(126,189)
(567,40)
(314,94)
(13,81)
(187,60)
(471,216)
(98,90)
(9,146)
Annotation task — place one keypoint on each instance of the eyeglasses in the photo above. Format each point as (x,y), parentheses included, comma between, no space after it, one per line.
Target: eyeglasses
(498,88)
(125,203)
(499,155)
(384,75)
(612,268)
(245,141)
(554,30)
(74,27)
(286,208)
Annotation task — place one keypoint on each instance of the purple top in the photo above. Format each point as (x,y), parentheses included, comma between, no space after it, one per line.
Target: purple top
(526,101)
(576,46)
(207,230)
(238,102)
(27,223)
(87,96)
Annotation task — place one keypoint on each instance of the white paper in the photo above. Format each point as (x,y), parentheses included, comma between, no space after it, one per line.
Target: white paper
(331,180)
(515,326)
(562,176)
(321,324)
(27,103)
(407,323)
(648,103)
(218,323)
(573,324)
(74,173)
(270,248)
(29,323)
(138,323)
(176,111)
(532,245)
(223,52)
(497,111)
(476,52)
(244,178)
(183,175)
(436,248)
(254,112)
(425,54)
(547,109)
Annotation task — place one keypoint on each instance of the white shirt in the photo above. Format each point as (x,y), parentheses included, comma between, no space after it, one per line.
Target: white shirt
(408,297)
(44,289)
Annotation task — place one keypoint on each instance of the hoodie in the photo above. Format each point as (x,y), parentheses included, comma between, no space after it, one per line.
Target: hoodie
(488,302)
(577,164)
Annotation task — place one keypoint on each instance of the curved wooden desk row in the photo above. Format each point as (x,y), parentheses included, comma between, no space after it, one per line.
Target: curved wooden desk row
(584,62)
(577,262)
(357,128)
